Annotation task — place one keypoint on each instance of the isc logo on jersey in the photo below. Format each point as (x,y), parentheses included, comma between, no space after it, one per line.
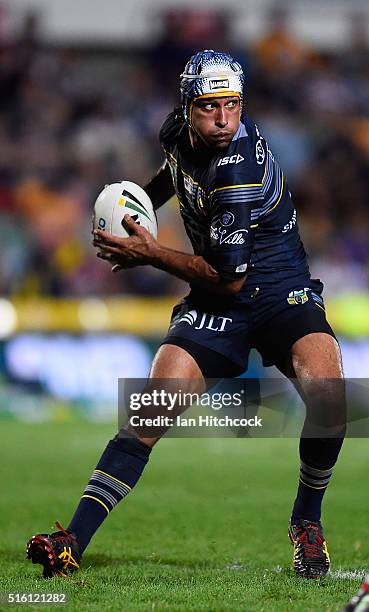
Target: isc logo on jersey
(233,159)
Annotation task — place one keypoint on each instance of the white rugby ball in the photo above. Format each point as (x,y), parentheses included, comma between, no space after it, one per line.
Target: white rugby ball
(119,199)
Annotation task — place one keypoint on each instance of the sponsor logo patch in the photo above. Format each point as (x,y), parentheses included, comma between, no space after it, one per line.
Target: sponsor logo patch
(204,320)
(298,297)
(233,159)
(222,237)
(102,223)
(290,224)
(190,317)
(219,84)
(259,152)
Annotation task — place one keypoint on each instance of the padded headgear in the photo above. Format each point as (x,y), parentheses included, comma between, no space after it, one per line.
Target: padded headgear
(210,74)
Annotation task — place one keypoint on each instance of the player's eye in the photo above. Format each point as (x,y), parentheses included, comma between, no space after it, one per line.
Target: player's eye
(232,104)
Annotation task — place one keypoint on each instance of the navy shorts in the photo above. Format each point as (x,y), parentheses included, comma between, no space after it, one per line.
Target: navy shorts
(270,320)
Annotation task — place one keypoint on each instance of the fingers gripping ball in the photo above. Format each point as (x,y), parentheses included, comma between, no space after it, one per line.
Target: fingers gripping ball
(119,199)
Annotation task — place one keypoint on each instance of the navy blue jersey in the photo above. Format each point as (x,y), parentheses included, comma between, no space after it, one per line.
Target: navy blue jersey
(236,207)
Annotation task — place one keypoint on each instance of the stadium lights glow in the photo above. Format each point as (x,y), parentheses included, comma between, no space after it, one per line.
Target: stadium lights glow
(93,314)
(8,318)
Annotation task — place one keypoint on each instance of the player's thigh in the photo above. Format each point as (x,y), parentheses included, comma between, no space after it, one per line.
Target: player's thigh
(173,361)
(173,371)
(300,341)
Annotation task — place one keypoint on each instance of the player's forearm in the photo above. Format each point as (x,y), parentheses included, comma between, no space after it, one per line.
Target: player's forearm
(193,269)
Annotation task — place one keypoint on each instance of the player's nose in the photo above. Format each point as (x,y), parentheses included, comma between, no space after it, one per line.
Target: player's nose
(221,117)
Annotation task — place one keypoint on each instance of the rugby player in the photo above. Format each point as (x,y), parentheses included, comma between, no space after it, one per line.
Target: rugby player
(250,286)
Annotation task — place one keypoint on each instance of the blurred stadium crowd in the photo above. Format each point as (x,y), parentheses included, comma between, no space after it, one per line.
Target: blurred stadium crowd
(74,119)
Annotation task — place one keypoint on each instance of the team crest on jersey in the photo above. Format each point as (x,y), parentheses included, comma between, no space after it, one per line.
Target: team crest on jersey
(298,297)
(227,218)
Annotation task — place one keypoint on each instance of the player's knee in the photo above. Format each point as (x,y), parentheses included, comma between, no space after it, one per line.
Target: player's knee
(130,433)
(317,356)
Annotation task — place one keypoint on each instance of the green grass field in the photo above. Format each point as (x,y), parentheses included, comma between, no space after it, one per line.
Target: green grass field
(205,529)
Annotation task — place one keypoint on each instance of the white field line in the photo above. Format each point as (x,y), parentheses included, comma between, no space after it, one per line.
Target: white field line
(348,575)
(342,574)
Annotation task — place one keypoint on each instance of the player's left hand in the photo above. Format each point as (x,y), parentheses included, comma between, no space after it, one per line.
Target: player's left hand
(124,253)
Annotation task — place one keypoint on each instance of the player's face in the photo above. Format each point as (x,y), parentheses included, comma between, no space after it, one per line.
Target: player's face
(216,120)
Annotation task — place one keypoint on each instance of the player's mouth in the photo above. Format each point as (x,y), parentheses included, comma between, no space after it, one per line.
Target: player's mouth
(221,139)
(222,135)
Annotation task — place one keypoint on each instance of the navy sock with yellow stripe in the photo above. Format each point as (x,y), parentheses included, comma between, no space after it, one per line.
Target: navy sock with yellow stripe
(318,457)
(312,486)
(117,472)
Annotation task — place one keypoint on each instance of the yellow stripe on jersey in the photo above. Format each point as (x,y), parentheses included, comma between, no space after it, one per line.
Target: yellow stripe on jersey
(189,177)
(236,187)
(243,185)
(279,198)
(171,156)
